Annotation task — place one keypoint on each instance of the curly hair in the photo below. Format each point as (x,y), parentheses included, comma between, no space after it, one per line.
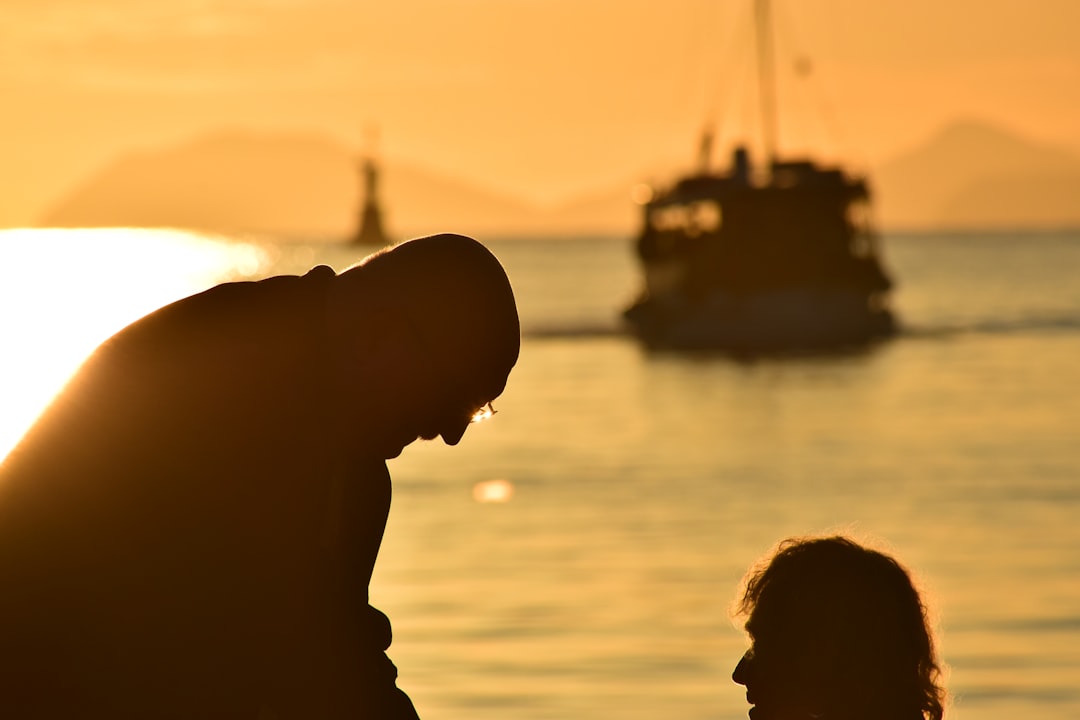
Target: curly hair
(830,596)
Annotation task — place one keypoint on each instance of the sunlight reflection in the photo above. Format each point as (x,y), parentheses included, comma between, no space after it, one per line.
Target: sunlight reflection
(493,491)
(641,193)
(483,413)
(63,292)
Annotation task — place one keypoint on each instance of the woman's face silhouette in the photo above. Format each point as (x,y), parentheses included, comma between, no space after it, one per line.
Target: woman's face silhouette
(780,680)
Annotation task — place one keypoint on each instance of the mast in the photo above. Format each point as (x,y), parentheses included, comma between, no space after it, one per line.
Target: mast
(766,81)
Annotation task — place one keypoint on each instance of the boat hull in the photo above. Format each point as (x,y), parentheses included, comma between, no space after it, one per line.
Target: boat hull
(803,319)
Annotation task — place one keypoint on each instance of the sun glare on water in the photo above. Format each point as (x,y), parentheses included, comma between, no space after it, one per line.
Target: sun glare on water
(63,292)
(493,491)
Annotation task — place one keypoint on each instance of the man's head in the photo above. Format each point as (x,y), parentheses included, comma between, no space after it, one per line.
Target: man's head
(435,321)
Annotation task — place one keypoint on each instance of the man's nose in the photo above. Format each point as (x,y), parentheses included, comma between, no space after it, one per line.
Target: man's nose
(741,674)
(453,432)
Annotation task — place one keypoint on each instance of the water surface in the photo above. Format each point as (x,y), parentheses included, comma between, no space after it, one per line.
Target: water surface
(637,488)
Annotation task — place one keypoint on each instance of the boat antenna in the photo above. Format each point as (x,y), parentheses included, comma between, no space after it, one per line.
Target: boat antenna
(766,81)
(705,149)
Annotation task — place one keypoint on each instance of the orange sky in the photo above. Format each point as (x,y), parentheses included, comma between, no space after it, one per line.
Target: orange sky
(539,98)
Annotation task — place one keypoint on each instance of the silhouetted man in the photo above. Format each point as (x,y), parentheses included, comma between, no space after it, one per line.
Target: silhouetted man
(190,528)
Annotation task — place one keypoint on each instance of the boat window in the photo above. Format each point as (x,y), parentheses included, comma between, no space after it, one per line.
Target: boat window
(858,218)
(705,216)
(694,218)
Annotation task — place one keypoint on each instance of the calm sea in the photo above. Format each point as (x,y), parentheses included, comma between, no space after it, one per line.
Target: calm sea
(575,558)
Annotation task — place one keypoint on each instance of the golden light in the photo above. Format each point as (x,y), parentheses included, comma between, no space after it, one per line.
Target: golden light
(63,292)
(641,193)
(493,491)
(482,414)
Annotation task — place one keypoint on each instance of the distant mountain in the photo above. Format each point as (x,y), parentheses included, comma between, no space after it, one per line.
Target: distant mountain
(305,186)
(227,181)
(972,175)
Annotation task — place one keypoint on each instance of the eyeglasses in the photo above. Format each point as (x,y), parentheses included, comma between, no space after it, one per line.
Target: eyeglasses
(486,410)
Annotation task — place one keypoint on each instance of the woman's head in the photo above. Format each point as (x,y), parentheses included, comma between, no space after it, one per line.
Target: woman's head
(838,631)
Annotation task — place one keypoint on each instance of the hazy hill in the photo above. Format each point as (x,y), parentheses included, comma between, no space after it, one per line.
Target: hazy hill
(304,186)
(226,181)
(972,175)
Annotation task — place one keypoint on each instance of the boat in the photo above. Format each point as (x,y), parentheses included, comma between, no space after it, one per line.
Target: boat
(776,257)
(371,230)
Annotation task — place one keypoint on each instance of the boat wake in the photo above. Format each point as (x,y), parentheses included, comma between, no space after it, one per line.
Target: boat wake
(1065,323)
(585,330)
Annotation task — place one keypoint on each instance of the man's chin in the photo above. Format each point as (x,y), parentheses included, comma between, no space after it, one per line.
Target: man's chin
(394,450)
(757,712)
(386,450)
(772,712)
